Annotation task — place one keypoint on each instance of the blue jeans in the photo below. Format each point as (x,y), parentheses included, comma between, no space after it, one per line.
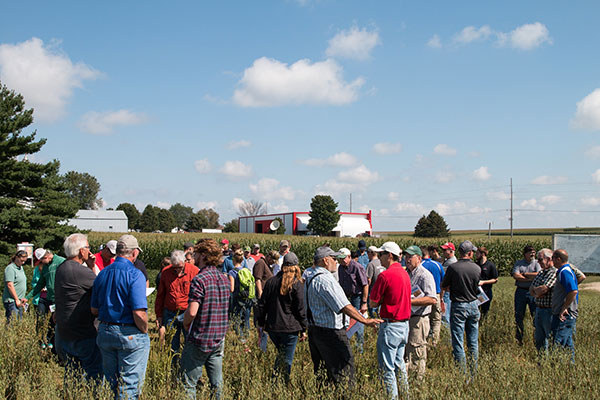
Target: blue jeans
(241,318)
(562,333)
(355,300)
(124,356)
(522,300)
(391,340)
(11,309)
(174,319)
(286,346)
(543,322)
(82,354)
(192,360)
(446,315)
(464,318)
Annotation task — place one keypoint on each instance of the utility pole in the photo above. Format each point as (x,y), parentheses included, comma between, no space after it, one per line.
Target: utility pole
(350,202)
(490,230)
(511,209)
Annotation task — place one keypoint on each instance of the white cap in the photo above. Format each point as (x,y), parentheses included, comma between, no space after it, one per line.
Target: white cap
(39,253)
(112,246)
(344,252)
(390,247)
(372,249)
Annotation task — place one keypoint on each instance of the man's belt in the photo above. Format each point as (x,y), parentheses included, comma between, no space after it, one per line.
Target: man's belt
(117,323)
(391,320)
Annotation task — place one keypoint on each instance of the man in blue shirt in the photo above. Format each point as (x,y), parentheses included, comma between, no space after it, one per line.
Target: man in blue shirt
(565,301)
(435,317)
(363,257)
(119,301)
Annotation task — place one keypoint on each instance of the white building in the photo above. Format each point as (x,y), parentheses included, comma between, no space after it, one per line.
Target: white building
(100,221)
(350,224)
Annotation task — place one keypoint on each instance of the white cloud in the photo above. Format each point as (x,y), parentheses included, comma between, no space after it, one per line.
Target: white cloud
(591,201)
(236,203)
(360,174)
(471,34)
(355,43)
(353,180)
(237,144)
(444,177)
(268,188)
(445,150)
(457,206)
(498,195)
(337,160)
(479,210)
(105,122)
(533,204)
(410,207)
(550,199)
(163,204)
(596,176)
(435,42)
(593,152)
(394,196)
(202,166)
(236,169)
(387,148)
(526,37)
(269,83)
(549,180)
(206,205)
(481,174)
(44,75)
(277,208)
(587,116)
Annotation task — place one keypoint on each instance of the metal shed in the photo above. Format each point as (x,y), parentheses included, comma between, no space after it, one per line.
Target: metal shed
(100,221)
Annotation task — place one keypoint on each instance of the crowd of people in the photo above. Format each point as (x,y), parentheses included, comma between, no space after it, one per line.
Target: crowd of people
(99,306)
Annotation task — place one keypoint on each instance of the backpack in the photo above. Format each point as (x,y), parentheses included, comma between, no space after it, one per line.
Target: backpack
(247,291)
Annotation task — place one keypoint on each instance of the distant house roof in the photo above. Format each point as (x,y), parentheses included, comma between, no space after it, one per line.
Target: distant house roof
(101,214)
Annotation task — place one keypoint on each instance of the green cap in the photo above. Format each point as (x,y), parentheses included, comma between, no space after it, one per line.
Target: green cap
(414,250)
(247,248)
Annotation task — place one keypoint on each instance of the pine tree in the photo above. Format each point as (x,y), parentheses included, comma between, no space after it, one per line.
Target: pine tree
(324,215)
(433,225)
(34,203)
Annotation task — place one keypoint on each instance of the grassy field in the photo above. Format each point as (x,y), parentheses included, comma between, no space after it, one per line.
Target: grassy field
(505,369)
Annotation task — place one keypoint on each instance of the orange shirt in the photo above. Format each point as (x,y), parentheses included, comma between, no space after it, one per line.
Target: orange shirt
(174,289)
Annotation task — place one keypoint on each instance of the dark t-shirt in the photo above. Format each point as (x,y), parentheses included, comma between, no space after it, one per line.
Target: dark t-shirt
(73,292)
(462,278)
(262,271)
(139,264)
(488,271)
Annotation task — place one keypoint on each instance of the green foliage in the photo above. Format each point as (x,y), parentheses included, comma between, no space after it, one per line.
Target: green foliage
(232,226)
(433,225)
(33,199)
(281,229)
(133,215)
(324,215)
(212,217)
(181,213)
(149,220)
(203,219)
(84,189)
(166,221)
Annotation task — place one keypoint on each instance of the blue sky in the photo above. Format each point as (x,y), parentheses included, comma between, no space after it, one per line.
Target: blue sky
(409,106)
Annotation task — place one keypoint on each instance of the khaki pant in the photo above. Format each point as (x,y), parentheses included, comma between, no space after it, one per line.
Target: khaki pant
(435,320)
(416,349)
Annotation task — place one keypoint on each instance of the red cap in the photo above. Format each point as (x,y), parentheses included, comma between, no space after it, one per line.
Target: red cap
(224,241)
(448,246)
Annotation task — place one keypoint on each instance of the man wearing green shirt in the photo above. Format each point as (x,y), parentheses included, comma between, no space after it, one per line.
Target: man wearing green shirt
(50,262)
(15,286)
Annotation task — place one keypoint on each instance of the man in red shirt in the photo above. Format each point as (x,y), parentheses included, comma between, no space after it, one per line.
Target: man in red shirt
(256,254)
(392,292)
(172,296)
(106,256)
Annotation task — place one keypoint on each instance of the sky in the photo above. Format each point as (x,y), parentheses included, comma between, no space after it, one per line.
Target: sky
(406,106)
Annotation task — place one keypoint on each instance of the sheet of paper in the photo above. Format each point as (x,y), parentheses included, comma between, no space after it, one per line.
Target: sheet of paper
(416,292)
(149,291)
(482,297)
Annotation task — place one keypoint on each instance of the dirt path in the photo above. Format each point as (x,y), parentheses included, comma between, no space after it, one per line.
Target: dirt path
(591,286)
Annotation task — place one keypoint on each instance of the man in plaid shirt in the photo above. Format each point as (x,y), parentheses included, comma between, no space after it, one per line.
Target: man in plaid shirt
(207,316)
(541,289)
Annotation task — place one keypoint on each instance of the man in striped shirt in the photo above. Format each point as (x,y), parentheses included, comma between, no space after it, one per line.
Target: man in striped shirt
(541,289)
(207,316)
(328,310)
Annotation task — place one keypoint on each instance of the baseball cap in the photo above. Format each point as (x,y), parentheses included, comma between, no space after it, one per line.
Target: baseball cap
(187,245)
(290,259)
(372,249)
(448,246)
(224,241)
(414,250)
(390,247)
(466,247)
(38,254)
(343,252)
(112,246)
(256,246)
(323,252)
(284,243)
(128,242)
(247,248)
(362,245)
